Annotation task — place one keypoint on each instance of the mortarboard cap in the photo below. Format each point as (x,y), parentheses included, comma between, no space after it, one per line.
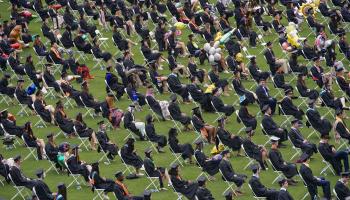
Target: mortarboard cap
(39,172)
(17,158)
(274,139)
(254,167)
(49,135)
(345,174)
(201,179)
(148,150)
(118,174)
(265,108)
(100,122)
(248,129)
(282,181)
(338,111)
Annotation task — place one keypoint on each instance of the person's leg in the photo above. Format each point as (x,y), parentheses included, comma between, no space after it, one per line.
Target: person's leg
(342,155)
(141,127)
(325,187)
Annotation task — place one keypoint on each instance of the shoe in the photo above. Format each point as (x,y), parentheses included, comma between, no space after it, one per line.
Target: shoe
(163,188)
(105,196)
(139,174)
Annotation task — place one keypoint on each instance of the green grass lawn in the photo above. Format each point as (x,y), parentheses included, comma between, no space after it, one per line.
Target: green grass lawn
(189,172)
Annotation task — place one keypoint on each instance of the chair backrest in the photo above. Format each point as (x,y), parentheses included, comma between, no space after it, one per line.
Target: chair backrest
(335,194)
(3,128)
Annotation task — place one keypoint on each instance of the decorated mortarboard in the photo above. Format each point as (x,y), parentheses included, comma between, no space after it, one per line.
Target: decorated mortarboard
(338,111)
(148,150)
(248,129)
(118,174)
(39,172)
(201,179)
(265,108)
(274,139)
(17,158)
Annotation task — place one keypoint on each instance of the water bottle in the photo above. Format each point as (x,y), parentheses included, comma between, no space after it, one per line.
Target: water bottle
(134,96)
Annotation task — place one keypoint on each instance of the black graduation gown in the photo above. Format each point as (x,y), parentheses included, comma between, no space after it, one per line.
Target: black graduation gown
(209,166)
(184,187)
(252,150)
(16,66)
(82,45)
(304,92)
(114,84)
(261,191)
(186,149)
(51,81)
(326,151)
(279,81)
(329,99)
(82,129)
(342,190)
(51,152)
(214,78)
(40,109)
(129,123)
(192,67)
(345,87)
(23,97)
(103,140)
(247,119)
(284,195)
(288,169)
(323,126)
(229,174)
(43,191)
(19,179)
(176,87)
(76,167)
(298,141)
(90,102)
(204,194)
(150,168)
(272,128)
(65,124)
(225,137)
(155,106)
(195,92)
(241,91)
(154,137)
(342,130)
(290,109)
(221,107)
(5,89)
(310,179)
(11,128)
(99,183)
(129,157)
(4,170)
(67,40)
(175,113)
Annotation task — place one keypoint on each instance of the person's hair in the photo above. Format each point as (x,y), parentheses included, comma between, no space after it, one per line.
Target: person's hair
(173,172)
(301,81)
(28,129)
(79,117)
(29,59)
(197,113)
(149,119)
(95,168)
(172,133)
(62,190)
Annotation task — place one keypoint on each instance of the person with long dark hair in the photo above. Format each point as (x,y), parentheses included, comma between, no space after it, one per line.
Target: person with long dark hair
(153,136)
(65,124)
(45,111)
(207,131)
(84,131)
(61,192)
(99,182)
(186,149)
(77,166)
(32,141)
(130,157)
(303,90)
(228,139)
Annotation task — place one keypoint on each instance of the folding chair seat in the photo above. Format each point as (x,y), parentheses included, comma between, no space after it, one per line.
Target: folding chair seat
(313,129)
(68,101)
(89,111)
(104,156)
(303,99)
(254,195)
(246,53)
(219,114)
(278,172)
(177,157)
(296,149)
(84,141)
(77,178)
(251,160)
(41,59)
(128,168)
(23,109)
(288,118)
(229,184)
(32,150)
(20,190)
(50,90)
(265,134)
(40,123)
(327,166)
(152,183)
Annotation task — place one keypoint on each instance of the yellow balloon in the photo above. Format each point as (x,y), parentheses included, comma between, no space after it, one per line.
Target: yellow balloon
(180,25)
(218,36)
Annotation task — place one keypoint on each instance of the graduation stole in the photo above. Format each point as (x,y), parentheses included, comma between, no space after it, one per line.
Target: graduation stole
(125,189)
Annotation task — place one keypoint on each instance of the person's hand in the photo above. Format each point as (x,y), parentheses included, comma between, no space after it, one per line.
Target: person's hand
(305,141)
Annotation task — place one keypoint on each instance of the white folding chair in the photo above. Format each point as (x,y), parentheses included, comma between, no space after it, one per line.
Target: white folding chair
(220,115)
(327,166)
(84,141)
(104,156)
(152,183)
(41,59)
(77,178)
(297,150)
(288,118)
(178,194)
(335,194)
(5,99)
(67,103)
(20,190)
(32,150)
(40,123)
(265,134)
(203,173)
(229,184)
(254,195)
(244,127)
(176,155)
(176,124)
(199,135)
(98,61)
(111,91)
(89,111)
(278,172)
(52,165)
(128,168)
(251,160)
(23,109)
(50,90)
(153,113)
(313,129)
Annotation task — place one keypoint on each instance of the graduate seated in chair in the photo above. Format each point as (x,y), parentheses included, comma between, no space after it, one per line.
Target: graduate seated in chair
(341,186)
(245,117)
(134,126)
(17,175)
(84,131)
(51,149)
(9,123)
(155,171)
(271,127)
(229,174)
(257,152)
(219,105)
(264,97)
(32,141)
(288,169)
(5,87)
(104,142)
(185,187)
(340,129)
(176,114)
(329,100)
(77,166)
(45,111)
(22,95)
(88,99)
(207,131)
(186,149)
(63,122)
(258,188)
(153,136)
(130,156)
(288,107)
(209,165)
(41,188)
(232,141)
(203,192)
(122,192)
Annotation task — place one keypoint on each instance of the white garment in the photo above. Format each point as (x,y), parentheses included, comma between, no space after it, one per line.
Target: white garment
(141,127)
